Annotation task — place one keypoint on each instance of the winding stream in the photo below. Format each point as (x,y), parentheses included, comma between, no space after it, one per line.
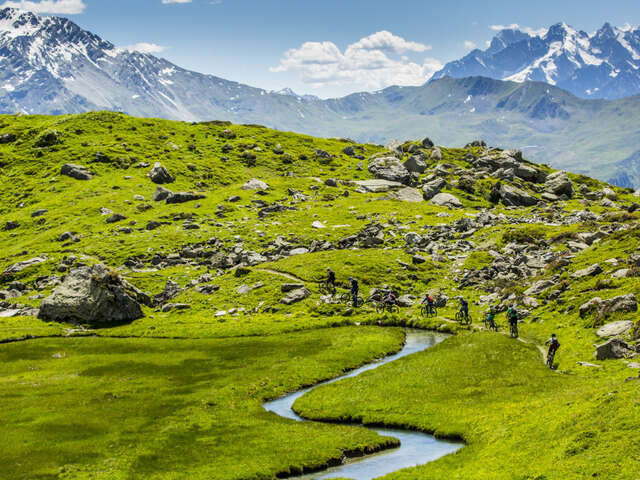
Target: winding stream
(416,448)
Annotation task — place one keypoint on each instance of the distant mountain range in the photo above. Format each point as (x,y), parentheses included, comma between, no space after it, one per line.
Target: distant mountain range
(50,65)
(603,65)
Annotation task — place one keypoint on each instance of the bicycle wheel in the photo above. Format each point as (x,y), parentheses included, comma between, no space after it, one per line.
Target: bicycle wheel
(359,302)
(424,310)
(379,307)
(394,308)
(433,312)
(458,316)
(467,318)
(345,298)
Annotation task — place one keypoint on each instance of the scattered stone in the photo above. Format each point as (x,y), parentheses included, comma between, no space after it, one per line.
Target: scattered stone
(92,294)
(514,197)
(349,151)
(436,154)
(39,213)
(20,266)
(175,306)
(7,138)
(415,163)
(389,168)
(318,224)
(170,291)
(76,171)
(594,269)
(427,143)
(432,188)
(182,197)
(417,259)
(587,364)
(376,186)
(613,329)
(623,303)
(558,183)
(255,184)
(66,236)
(405,301)
(295,296)
(10,225)
(446,200)
(161,194)
(207,289)
(116,217)
(288,287)
(331,182)
(407,194)
(613,348)
(234,198)
(538,287)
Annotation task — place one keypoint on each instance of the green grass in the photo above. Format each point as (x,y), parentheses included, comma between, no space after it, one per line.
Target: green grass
(519,419)
(140,408)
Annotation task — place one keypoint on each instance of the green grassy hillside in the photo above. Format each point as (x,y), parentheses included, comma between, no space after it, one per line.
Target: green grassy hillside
(188,377)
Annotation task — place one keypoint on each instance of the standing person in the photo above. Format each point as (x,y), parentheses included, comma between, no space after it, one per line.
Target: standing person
(512,317)
(354,290)
(554,345)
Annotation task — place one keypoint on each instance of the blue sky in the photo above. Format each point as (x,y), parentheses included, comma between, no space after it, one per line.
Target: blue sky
(295,43)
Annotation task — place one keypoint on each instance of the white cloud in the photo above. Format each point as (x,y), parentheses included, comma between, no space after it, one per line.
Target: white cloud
(145,47)
(539,32)
(69,7)
(469,45)
(176,1)
(372,62)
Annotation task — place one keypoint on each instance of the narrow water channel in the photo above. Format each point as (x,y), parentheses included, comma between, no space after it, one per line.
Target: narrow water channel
(415,448)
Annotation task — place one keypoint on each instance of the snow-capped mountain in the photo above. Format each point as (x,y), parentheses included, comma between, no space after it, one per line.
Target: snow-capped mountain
(605,64)
(290,93)
(50,65)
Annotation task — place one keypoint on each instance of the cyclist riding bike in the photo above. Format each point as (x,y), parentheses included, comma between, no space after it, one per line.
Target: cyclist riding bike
(512,317)
(330,281)
(431,303)
(464,307)
(491,317)
(389,298)
(354,290)
(554,345)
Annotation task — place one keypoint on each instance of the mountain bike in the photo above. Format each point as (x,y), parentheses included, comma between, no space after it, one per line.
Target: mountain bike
(325,289)
(347,298)
(550,357)
(429,310)
(463,317)
(390,307)
(490,324)
(514,329)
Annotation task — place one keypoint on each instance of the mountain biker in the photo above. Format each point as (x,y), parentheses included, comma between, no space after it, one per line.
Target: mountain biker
(388,298)
(554,345)
(464,307)
(354,290)
(512,317)
(428,299)
(491,315)
(330,281)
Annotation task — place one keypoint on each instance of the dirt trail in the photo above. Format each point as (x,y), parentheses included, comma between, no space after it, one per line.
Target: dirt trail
(282,274)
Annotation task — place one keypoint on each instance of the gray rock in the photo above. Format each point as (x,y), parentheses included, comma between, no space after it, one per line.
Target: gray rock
(558,183)
(299,251)
(407,194)
(376,186)
(427,143)
(10,225)
(412,238)
(538,287)
(66,236)
(288,287)
(255,184)
(331,182)
(446,200)
(39,213)
(20,266)
(514,197)
(175,306)
(318,224)
(322,154)
(389,168)
(418,259)
(182,197)
(170,291)
(623,303)
(159,174)
(436,154)
(622,273)
(432,188)
(613,348)
(590,306)
(116,217)
(594,269)
(405,301)
(349,151)
(415,163)
(207,289)
(7,138)
(613,329)
(529,173)
(76,171)
(295,296)
(92,294)
(161,193)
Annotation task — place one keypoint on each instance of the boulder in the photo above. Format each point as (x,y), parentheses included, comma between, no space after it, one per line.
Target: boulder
(514,197)
(407,194)
(427,143)
(76,171)
(116,217)
(318,224)
(558,183)
(590,306)
(613,348)
(538,287)
(92,294)
(10,225)
(529,173)
(170,291)
(288,287)
(255,184)
(331,182)
(432,188)
(613,329)
(405,301)
(20,266)
(159,174)
(436,154)
(295,296)
(161,193)
(446,200)
(389,168)
(322,153)
(623,303)
(7,138)
(182,197)
(415,163)
(376,186)
(594,269)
